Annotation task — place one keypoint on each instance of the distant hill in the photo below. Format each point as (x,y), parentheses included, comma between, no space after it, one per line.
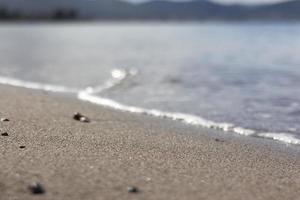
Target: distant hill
(288,11)
(154,10)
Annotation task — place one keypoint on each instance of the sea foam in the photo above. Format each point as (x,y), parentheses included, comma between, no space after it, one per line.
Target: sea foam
(118,76)
(35,85)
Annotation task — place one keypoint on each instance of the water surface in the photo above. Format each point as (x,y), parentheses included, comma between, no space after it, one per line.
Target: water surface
(243,74)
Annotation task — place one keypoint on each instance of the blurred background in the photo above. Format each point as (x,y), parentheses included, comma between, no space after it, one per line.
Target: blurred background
(149,10)
(227,61)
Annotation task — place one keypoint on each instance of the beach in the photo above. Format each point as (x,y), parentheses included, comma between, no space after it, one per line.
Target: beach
(162,159)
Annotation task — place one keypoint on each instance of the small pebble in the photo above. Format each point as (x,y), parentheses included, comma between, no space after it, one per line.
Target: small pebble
(4,120)
(36,188)
(4,134)
(79,117)
(219,140)
(22,147)
(132,189)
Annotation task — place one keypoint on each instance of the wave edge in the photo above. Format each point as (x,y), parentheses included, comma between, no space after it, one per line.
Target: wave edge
(119,76)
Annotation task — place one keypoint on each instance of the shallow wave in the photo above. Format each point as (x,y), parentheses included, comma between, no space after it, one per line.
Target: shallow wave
(118,76)
(188,119)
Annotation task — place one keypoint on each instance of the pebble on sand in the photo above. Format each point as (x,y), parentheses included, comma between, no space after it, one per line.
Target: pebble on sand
(79,117)
(219,140)
(36,188)
(132,189)
(4,120)
(4,134)
(22,147)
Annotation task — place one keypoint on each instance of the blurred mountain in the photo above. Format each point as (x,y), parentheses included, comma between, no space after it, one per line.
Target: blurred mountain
(154,10)
(83,8)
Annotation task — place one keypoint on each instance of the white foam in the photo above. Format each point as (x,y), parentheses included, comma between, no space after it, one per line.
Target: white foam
(282,137)
(188,119)
(117,77)
(243,131)
(36,86)
(185,118)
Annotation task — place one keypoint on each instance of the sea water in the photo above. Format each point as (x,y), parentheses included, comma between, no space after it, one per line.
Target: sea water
(236,77)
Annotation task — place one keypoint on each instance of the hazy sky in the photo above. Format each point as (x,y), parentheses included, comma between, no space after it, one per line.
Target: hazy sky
(249,1)
(230,1)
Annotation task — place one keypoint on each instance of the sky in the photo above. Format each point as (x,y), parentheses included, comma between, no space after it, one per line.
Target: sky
(249,1)
(230,1)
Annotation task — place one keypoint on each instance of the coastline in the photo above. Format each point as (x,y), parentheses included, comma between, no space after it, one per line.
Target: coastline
(163,158)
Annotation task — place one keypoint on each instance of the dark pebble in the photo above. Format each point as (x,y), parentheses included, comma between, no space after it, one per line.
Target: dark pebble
(4,134)
(132,189)
(219,140)
(4,120)
(79,117)
(22,147)
(36,188)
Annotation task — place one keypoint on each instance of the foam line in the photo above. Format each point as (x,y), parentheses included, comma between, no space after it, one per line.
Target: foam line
(282,137)
(36,86)
(188,119)
(118,77)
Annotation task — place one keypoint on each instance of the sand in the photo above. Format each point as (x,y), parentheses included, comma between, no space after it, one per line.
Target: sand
(162,158)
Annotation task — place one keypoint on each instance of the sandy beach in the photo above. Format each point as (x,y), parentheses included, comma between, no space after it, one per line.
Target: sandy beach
(116,150)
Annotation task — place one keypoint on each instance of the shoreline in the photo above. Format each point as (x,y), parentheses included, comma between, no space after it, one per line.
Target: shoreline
(163,158)
(185,118)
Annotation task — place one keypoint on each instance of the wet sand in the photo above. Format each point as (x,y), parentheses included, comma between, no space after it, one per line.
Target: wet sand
(116,150)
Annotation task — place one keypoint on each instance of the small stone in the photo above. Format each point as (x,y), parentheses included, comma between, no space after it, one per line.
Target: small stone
(219,140)
(22,147)
(4,120)
(132,189)
(79,117)
(4,134)
(36,188)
